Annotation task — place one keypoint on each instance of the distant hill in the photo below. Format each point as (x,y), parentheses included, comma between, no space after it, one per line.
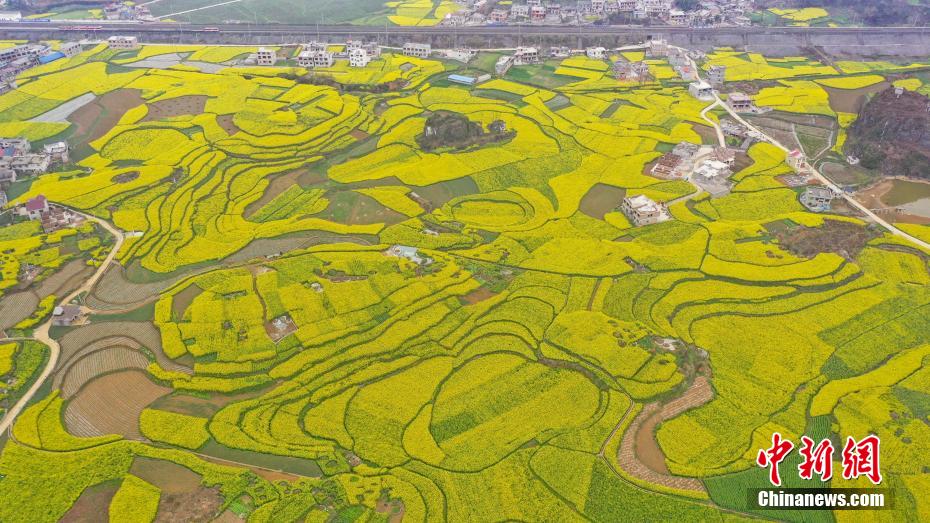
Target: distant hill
(892,134)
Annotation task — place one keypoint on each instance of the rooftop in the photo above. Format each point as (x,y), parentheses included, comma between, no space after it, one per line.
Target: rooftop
(36,204)
(643,203)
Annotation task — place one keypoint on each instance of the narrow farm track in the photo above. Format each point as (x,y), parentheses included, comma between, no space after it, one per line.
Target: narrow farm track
(41,334)
(720,137)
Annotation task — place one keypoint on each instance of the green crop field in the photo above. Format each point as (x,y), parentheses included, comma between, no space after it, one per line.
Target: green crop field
(261,348)
(363,12)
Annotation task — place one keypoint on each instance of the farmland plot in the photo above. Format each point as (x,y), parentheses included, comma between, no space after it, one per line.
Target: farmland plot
(468,333)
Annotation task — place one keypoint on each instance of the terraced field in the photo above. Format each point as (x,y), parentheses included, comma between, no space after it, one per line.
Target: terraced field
(532,356)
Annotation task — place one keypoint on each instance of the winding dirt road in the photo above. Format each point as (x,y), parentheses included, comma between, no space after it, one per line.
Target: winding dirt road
(41,333)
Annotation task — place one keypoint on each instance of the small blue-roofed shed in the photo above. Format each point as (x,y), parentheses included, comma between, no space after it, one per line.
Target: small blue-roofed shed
(464,80)
(51,57)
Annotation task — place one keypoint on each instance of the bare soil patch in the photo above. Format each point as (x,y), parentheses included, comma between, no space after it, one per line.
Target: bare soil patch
(278,185)
(116,292)
(203,407)
(311,177)
(16,307)
(353,208)
(92,505)
(98,117)
(183,300)
(170,477)
(226,122)
(873,195)
(97,364)
(843,238)
(707,133)
(227,517)
(852,100)
(741,161)
(358,134)
(199,505)
(478,295)
(183,105)
(82,340)
(66,279)
(601,199)
(393,508)
(111,404)
(125,177)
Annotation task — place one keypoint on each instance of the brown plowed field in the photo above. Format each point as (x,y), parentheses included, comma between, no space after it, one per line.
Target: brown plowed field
(111,404)
(92,505)
(99,363)
(143,333)
(114,292)
(183,498)
(180,106)
(98,117)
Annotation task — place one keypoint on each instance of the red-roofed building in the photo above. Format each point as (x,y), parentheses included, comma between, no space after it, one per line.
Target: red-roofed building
(797,161)
(36,207)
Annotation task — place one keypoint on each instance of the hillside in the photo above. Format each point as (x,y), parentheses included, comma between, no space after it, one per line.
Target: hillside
(892,134)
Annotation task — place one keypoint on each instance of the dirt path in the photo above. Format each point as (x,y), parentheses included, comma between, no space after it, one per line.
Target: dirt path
(720,137)
(639,454)
(41,333)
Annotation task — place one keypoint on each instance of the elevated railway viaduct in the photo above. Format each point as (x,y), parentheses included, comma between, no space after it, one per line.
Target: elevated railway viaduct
(852,42)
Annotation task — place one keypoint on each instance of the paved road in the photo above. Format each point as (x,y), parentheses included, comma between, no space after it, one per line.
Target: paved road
(41,333)
(823,179)
(827,182)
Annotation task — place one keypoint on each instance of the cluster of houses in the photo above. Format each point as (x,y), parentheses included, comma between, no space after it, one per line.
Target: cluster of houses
(14,60)
(705,13)
(358,53)
(745,135)
(681,60)
(17,161)
(710,169)
(625,71)
(409,253)
(816,198)
(127,11)
(52,217)
(520,56)
(707,167)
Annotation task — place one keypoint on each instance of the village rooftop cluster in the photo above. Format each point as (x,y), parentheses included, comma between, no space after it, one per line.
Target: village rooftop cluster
(18,160)
(14,60)
(706,13)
